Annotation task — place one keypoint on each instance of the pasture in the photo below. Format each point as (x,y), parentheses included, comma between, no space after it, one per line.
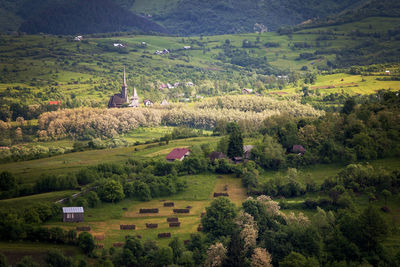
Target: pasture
(30,171)
(106,219)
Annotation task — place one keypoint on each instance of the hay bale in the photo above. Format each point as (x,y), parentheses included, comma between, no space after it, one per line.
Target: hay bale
(83,228)
(200,228)
(172,219)
(226,187)
(118,244)
(181,210)
(127,227)
(169,204)
(151,225)
(148,211)
(164,235)
(202,214)
(99,237)
(189,207)
(175,224)
(221,194)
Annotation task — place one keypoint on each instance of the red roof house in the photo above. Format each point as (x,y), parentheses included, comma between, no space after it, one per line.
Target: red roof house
(178,154)
(299,149)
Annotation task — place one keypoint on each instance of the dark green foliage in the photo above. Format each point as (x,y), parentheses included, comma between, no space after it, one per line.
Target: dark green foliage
(93,199)
(111,191)
(86,17)
(7,181)
(27,261)
(86,242)
(295,259)
(235,145)
(3,261)
(269,153)
(177,248)
(55,258)
(219,217)
(165,256)
(48,183)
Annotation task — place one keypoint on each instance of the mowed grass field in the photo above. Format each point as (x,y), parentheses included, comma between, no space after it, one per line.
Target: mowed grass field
(105,221)
(30,171)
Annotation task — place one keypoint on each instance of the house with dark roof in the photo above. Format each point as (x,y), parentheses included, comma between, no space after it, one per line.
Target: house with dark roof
(178,154)
(73,214)
(216,155)
(246,151)
(147,103)
(247,91)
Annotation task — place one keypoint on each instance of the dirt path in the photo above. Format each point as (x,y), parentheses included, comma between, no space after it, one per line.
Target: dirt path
(235,189)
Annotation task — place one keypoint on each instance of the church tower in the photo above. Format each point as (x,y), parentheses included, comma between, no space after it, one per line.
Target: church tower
(124,91)
(134,99)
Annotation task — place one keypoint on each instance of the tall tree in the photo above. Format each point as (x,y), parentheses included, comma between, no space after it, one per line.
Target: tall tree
(235,146)
(219,218)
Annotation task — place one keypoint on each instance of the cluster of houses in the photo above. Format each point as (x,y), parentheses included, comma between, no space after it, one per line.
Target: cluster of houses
(78,38)
(161,52)
(172,86)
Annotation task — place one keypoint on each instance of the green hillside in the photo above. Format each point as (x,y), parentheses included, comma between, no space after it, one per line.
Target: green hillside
(37,69)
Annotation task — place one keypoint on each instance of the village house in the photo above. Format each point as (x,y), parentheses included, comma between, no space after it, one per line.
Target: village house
(189,84)
(298,149)
(78,38)
(164,103)
(163,52)
(246,151)
(178,154)
(216,155)
(187,47)
(247,91)
(119,45)
(147,103)
(72,214)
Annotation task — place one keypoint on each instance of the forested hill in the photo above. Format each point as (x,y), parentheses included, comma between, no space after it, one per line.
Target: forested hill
(374,8)
(80,16)
(210,17)
(182,17)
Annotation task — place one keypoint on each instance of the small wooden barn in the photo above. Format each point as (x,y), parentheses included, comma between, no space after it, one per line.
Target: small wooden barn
(73,214)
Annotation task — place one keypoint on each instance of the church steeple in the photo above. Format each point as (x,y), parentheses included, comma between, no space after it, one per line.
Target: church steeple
(124,91)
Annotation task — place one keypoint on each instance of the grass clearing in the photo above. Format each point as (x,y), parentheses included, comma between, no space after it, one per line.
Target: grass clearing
(106,219)
(26,201)
(30,171)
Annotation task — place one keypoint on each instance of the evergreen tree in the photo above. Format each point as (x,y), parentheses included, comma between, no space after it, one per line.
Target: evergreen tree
(235,146)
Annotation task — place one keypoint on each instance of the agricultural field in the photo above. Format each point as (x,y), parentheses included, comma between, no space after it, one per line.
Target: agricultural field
(106,220)
(30,171)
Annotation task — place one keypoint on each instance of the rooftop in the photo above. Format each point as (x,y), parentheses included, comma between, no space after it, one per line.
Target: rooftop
(72,209)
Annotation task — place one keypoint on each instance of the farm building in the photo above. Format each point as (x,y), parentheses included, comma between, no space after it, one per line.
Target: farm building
(147,102)
(73,214)
(246,151)
(178,154)
(247,91)
(216,155)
